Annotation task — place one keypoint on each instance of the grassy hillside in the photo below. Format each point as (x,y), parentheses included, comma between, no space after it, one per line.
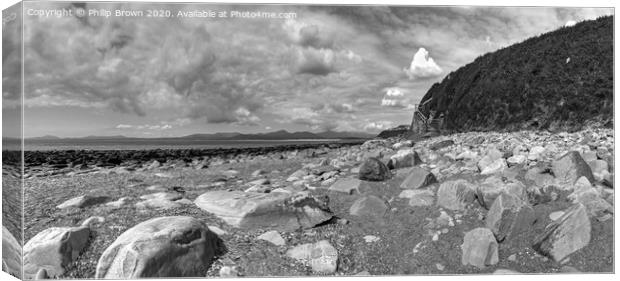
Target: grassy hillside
(558,80)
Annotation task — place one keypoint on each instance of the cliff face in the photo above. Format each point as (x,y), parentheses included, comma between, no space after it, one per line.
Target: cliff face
(559,80)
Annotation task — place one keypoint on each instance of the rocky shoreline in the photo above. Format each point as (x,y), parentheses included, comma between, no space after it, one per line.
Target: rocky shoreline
(520,202)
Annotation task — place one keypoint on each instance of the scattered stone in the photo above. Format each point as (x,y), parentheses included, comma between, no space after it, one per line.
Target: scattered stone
(363,273)
(441,144)
(539,178)
(162,196)
(83,201)
(566,235)
(418,178)
(556,215)
(369,206)
(272,237)
(516,160)
(509,216)
(218,231)
(455,195)
(11,254)
(118,203)
(404,158)
(53,249)
(258,173)
(321,256)
(92,221)
(371,238)
(494,167)
(418,197)
(348,186)
(479,248)
(373,170)
(160,247)
(512,258)
(493,186)
(569,167)
(440,267)
(569,269)
(229,272)
(277,210)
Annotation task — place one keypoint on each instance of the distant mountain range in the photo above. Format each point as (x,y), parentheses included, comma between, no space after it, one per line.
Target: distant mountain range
(276,135)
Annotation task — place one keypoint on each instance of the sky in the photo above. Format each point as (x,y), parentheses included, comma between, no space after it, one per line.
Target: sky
(353,68)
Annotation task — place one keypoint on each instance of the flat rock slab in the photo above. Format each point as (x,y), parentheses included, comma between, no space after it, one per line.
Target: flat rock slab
(277,210)
(160,247)
(570,166)
(322,256)
(418,197)
(157,203)
(455,195)
(53,249)
(418,178)
(369,206)
(479,248)
(11,254)
(566,235)
(83,201)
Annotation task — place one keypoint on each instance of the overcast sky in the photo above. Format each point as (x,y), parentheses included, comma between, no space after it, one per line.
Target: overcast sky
(330,68)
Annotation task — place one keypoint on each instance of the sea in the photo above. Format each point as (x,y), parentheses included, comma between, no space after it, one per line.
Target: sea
(151,144)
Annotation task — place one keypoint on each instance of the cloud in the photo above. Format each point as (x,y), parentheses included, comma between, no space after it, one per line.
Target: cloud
(124,126)
(395,97)
(157,127)
(316,62)
(309,36)
(570,23)
(379,125)
(423,66)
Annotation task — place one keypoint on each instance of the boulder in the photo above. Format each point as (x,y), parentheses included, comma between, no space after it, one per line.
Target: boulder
(404,158)
(494,167)
(118,203)
(535,153)
(373,170)
(322,256)
(493,186)
(591,198)
(569,167)
(11,254)
(160,247)
(421,197)
(272,237)
(516,160)
(455,195)
(348,186)
(566,235)
(277,210)
(509,216)
(489,157)
(539,178)
(83,201)
(418,178)
(53,249)
(369,206)
(479,248)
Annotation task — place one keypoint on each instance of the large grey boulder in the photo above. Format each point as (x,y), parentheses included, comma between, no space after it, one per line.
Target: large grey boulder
(53,249)
(404,158)
(569,167)
(322,256)
(418,178)
(455,195)
(479,248)
(160,247)
(276,210)
(565,235)
(493,186)
(509,217)
(373,170)
(11,254)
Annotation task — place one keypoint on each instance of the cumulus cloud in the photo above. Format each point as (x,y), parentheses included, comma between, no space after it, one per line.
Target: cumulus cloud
(316,62)
(378,125)
(395,97)
(422,66)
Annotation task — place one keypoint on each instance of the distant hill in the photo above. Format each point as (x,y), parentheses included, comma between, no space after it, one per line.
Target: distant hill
(276,135)
(558,80)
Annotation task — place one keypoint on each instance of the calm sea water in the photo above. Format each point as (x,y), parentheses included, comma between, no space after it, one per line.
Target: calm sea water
(146,144)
